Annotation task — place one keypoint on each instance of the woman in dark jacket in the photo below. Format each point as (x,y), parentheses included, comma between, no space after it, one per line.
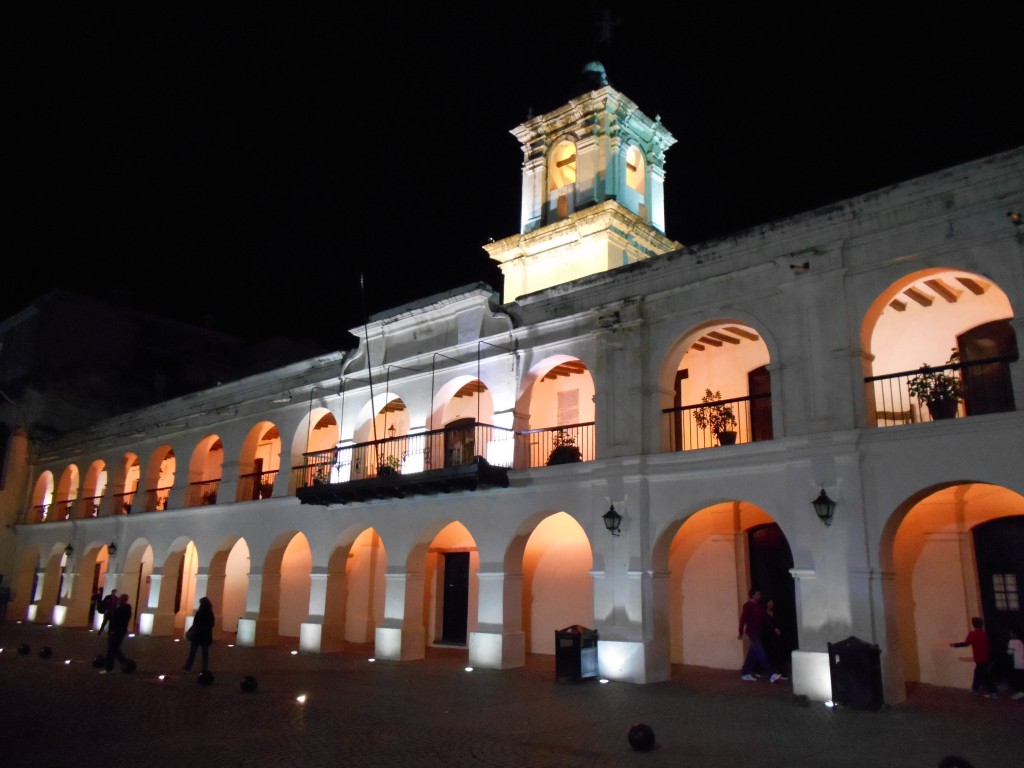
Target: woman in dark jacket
(200,635)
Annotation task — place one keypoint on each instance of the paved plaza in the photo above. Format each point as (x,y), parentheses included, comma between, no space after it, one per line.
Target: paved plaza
(59,711)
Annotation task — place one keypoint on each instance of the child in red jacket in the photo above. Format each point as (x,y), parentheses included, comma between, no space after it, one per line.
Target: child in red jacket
(977,639)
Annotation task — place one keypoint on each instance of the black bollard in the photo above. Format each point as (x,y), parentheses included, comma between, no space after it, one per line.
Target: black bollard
(205,678)
(641,737)
(249,684)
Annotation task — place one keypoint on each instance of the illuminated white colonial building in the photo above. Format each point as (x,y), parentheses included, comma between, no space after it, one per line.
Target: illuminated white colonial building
(410,492)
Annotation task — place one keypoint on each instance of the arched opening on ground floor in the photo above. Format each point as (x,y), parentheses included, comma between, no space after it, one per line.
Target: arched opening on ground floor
(558,589)
(955,552)
(713,559)
(227,585)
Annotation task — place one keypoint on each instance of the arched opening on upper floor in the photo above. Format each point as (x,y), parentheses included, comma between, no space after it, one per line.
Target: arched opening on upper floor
(315,450)
(259,462)
(205,471)
(93,489)
(955,323)
(462,427)
(66,493)
(721,388)
(558,399)
(42,498)
(127,486)
(713,559)
(381,441)
(159,479)
(954,551)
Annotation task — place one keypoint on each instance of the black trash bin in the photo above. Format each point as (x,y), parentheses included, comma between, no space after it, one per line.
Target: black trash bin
(575,653)
(855,667)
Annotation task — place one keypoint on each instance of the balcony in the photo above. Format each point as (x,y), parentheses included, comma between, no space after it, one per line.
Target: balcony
(157,498)
(540,444)
(986,387)
(203,493)
(256,485)
(442,460)
(753,422)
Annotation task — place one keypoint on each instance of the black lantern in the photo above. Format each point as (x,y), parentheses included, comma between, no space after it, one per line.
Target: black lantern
(612,520)
(69,550)
(824,507)
(112,548)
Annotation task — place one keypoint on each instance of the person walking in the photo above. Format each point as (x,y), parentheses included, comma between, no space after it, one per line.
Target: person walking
(752,622)
(120,619)
(977,639)
(200,635)
(107,606)
(775,645)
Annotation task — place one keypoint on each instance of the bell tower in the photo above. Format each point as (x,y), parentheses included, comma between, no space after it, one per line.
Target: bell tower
(593,191)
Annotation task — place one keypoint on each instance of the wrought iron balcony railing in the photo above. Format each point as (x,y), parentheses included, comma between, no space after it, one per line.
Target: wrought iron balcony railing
(753,422)
(985,384)
(539,444)
(256,485)
(407,454)
(203,493)
(157,498)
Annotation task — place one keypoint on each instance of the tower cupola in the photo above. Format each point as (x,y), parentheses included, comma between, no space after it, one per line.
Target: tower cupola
(593,190)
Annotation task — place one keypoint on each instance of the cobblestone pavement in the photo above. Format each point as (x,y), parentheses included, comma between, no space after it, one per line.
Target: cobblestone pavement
(59,711)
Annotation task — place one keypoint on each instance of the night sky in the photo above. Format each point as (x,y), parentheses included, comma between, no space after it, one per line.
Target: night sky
(244,164)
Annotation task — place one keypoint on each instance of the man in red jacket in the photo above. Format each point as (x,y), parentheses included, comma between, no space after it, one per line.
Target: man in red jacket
(752,623)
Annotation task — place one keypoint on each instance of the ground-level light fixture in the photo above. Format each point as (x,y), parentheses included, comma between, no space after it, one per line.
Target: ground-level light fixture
(824,507)
(612,520)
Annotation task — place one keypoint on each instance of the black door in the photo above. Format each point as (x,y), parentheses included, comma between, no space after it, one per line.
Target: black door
(999,551)
(987,386)
(770,563)
(759,385)
(456,598)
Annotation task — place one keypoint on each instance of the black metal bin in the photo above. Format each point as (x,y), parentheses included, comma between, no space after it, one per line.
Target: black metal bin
(575,653)
(855,667)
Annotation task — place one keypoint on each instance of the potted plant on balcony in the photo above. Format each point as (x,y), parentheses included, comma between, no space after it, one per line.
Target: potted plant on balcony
(939,390)
(564,449)
(717,417)
(389,466)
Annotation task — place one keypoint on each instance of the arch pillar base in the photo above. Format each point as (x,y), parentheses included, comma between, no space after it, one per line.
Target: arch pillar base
(497,650)
(317,637)
(633,661)
(399,644)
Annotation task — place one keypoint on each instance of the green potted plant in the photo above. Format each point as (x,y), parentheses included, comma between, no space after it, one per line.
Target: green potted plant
(939,390)
(389,466)
(717,417)
(564,450)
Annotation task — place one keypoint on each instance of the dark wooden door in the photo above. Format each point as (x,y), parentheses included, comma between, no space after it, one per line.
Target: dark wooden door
(759,385)
(456,598)
(988,388)
(999,552)
(770,562)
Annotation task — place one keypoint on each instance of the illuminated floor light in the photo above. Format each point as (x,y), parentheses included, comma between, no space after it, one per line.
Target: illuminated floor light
(67,661)
(295,653)
(830,704)
(177,639)
(231,645)
(469,669)
(603,680)
(160,677)
(371,660)
(301,699)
